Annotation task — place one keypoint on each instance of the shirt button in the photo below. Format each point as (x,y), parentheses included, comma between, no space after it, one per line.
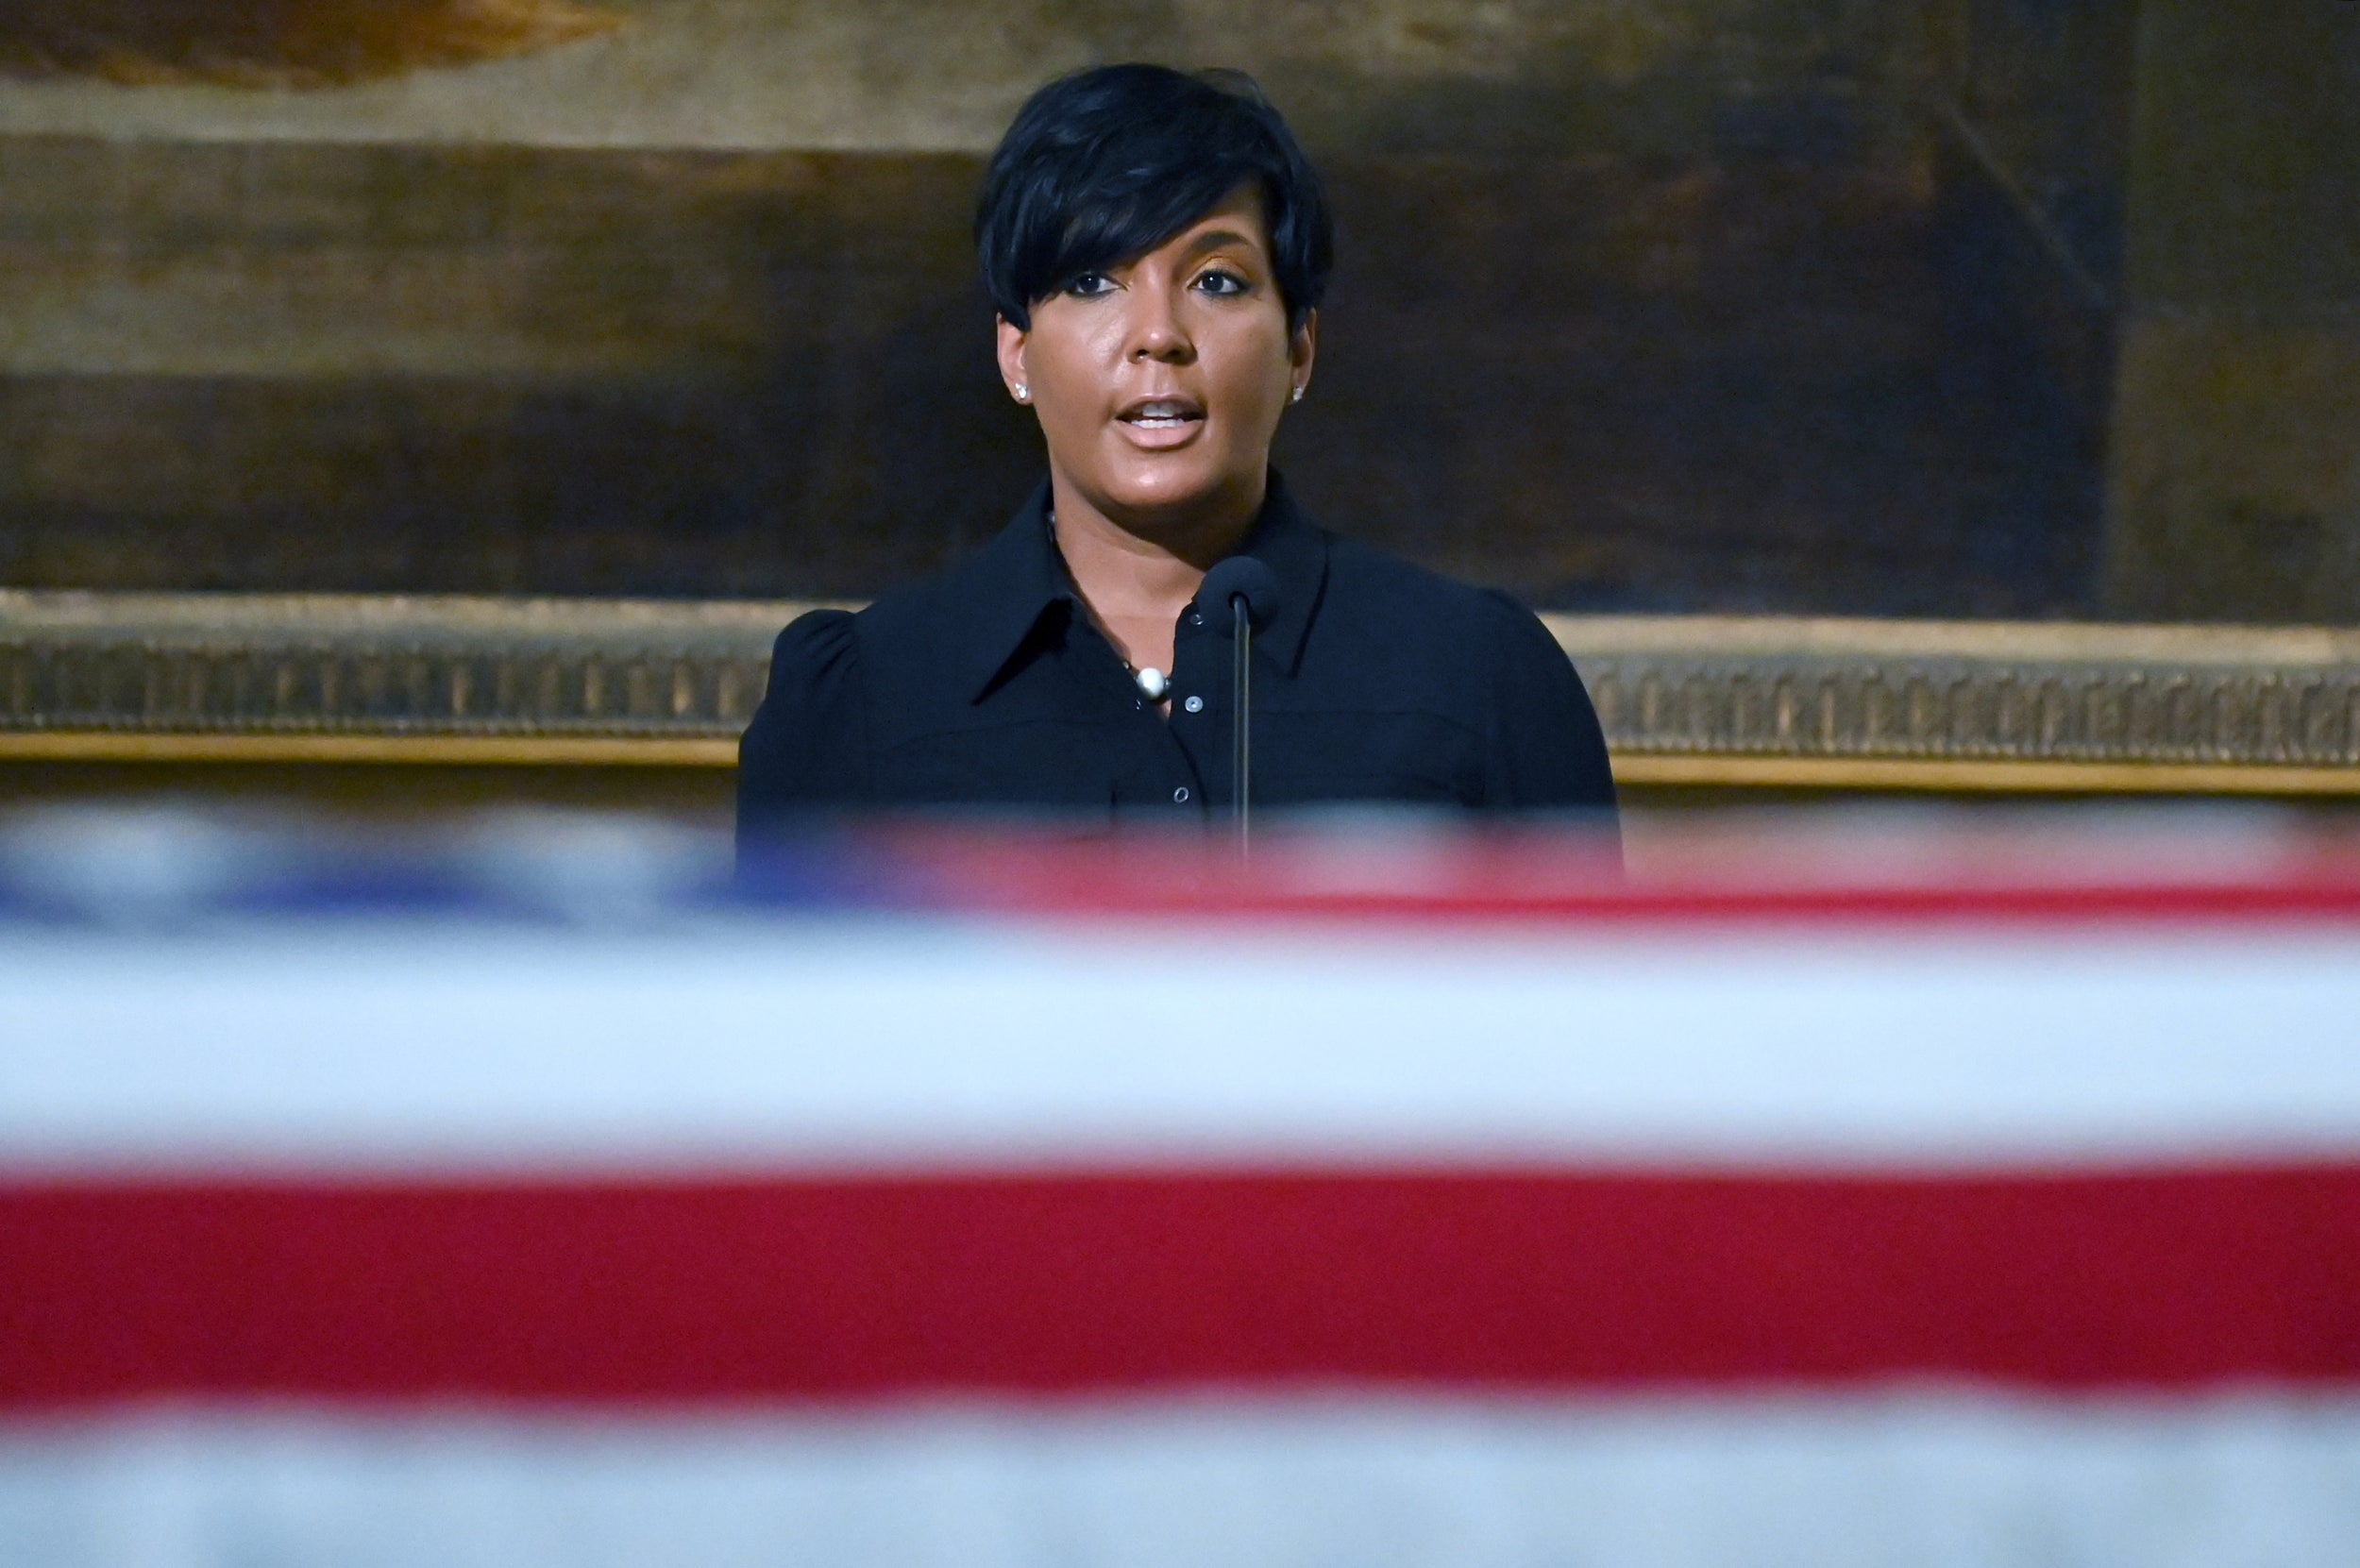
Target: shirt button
(1196,617)
(1195,704)
(1180,796)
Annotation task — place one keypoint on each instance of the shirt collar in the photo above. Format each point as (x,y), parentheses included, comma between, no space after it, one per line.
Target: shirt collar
(1295,550)
(1010,585)
(1018,581)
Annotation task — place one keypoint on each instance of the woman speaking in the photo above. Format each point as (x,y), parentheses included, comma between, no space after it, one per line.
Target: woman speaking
(1156,246)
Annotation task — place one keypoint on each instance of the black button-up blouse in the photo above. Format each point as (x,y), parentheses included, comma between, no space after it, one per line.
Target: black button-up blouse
(987,685)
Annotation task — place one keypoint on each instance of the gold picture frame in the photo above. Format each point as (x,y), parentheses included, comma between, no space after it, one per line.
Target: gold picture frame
(1687,701)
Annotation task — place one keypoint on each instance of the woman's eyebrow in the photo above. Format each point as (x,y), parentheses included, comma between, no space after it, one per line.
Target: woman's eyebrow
(1213,239)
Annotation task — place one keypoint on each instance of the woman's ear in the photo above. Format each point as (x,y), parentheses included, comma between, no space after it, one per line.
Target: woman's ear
(1301,349)
(1011,354)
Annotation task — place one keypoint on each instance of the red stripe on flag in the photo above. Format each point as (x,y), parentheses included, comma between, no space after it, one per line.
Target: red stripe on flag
(1986,878)
(1983,906)
(849,1288)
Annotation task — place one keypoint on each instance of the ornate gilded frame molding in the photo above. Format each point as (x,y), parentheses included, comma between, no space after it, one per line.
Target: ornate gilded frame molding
(1708,701)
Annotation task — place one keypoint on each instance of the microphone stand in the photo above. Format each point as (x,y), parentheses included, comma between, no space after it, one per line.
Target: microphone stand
(1251,591)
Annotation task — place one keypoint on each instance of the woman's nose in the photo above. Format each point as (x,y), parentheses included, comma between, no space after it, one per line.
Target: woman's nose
(1157,330)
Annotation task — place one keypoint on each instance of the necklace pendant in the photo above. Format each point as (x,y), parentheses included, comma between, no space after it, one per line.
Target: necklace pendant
(1152,681)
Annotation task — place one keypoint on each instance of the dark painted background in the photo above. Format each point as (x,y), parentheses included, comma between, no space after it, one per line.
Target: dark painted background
(1765,305)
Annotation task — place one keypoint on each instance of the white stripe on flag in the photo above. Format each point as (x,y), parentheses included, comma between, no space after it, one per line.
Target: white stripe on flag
(1922,1480)
(890,1042)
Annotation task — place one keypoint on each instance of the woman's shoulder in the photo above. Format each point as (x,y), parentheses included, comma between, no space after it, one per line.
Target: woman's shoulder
(910,618)
(1373,587)
(805,745)
(1474,650)
(816,655)
(813,666)
(822,636)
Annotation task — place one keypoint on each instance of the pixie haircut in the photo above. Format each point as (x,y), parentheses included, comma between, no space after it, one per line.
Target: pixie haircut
(1108,163)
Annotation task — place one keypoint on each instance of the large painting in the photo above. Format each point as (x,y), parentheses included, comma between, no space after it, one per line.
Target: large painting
(1748,305)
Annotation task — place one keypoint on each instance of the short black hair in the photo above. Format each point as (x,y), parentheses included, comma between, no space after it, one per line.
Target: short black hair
(1108,163)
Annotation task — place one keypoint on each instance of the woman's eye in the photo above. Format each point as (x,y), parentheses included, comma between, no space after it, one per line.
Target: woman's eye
(1089,283)
(1219,282)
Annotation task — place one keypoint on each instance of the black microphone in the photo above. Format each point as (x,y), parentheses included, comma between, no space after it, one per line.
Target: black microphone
(1240,594)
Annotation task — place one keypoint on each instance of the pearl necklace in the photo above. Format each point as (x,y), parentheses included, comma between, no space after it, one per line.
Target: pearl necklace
(1152,682)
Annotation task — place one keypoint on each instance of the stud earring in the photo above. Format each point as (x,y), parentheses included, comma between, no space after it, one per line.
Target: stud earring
(1295,397)
(1024,393)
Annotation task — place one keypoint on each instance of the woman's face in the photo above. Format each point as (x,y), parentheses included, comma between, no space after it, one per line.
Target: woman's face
(1160,380)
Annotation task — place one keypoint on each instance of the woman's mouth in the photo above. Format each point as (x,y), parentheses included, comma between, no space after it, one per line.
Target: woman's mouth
(1161,414)
(1160,422)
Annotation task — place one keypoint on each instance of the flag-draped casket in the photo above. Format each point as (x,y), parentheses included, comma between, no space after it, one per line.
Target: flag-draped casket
(1402,1199)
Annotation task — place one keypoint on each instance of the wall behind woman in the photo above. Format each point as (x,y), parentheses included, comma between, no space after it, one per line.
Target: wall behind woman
(1800,305)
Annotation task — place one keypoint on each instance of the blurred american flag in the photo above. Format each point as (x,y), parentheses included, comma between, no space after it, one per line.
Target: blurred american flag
(1835,1190)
